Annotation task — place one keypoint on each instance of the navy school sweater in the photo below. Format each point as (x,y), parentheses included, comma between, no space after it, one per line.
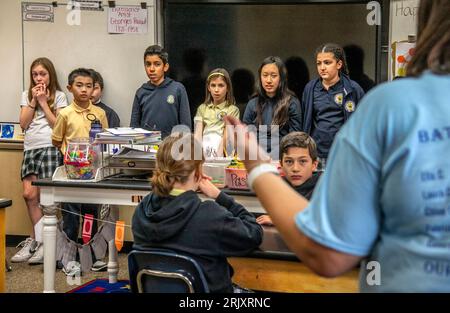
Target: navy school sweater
(351,95)
(161,107)
(294,122)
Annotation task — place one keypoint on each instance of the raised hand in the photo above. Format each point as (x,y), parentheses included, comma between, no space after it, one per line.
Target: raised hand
(42,95)
(35,90)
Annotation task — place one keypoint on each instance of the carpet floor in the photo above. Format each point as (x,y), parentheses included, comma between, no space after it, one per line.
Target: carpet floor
(26,278)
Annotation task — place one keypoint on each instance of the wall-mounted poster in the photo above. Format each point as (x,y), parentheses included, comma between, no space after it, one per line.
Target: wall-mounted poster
(127,20)
(402,54)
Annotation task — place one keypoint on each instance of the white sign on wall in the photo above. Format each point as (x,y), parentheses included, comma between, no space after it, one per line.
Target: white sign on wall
(37,12)
(127,20)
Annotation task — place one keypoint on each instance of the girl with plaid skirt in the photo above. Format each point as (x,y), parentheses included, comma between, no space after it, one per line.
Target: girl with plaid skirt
(40,105)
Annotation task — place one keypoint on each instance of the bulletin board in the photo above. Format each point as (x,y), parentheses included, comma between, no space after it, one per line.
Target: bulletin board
(117,57)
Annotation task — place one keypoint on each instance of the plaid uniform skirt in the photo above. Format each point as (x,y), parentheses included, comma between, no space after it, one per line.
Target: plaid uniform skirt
(41,162)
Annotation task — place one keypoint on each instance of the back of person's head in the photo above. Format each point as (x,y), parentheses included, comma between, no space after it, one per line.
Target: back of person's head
(243,84)
(298,140)
(338,53)
(355,59)
(53,78)
(223,74)
(433,39)
(283,94)
(194,59)
(83,72)
(159,51)
(98,79)
(174,163)
(297,75)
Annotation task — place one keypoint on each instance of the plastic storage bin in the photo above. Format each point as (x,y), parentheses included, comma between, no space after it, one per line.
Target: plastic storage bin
(215,168)
(217,172)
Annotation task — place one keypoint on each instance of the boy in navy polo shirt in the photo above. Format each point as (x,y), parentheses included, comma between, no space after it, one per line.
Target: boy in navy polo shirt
(161,103)
(329,100)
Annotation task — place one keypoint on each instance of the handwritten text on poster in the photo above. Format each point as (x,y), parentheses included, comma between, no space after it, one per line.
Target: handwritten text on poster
(127,20)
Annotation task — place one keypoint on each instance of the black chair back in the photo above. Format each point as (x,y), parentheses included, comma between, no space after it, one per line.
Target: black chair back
(164,271)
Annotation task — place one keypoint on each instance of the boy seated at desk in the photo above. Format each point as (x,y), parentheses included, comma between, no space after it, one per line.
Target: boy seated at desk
(298,159)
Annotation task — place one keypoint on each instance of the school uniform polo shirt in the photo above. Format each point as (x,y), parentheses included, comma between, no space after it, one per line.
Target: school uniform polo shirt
(72,122)
(328,115)
(212,116)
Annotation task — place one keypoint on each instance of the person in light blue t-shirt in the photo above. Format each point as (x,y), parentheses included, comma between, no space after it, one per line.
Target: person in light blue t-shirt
(384,200)
(393,205)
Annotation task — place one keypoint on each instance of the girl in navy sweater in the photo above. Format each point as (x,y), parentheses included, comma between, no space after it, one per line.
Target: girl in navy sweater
(274,105)
(329,100)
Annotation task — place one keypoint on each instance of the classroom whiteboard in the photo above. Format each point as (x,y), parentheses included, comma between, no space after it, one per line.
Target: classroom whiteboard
(118,57)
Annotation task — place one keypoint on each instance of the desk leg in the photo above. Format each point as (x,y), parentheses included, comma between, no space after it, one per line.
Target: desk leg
(113,264)
(49,239)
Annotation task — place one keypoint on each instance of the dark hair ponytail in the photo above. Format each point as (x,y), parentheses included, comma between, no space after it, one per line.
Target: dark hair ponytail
(338,52)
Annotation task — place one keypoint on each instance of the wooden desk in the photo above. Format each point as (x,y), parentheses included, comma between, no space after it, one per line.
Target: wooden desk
(287,276)
(256,272)
(4,203)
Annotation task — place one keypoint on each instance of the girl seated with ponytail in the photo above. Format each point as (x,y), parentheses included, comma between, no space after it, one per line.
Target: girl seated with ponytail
(173,217)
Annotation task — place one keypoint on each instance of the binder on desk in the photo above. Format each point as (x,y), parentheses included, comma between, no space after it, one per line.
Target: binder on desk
(133,158)
(127,135)
(128,131)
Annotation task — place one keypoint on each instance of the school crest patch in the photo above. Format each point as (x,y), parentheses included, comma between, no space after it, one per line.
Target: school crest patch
(338,98)
(221,115)
(170,99)
(350,106)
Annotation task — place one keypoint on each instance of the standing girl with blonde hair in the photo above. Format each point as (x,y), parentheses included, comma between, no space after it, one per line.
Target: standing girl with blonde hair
(40,105)
(219,102)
